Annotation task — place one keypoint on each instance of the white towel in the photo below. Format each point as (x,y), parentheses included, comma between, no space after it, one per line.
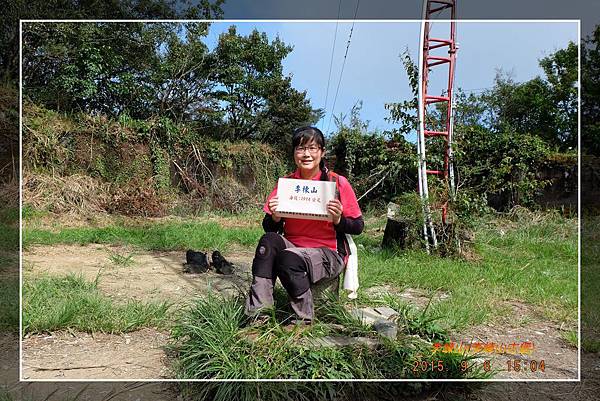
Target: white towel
(351,274)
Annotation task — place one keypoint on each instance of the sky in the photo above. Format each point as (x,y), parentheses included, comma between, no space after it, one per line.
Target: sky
(373,71)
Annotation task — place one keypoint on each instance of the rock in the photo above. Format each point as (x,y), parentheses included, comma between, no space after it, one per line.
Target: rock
(386,311)
(370,315)
(366,315)
(386,328)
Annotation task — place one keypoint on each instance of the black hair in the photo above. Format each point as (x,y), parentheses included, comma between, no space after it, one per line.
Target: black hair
(304,135)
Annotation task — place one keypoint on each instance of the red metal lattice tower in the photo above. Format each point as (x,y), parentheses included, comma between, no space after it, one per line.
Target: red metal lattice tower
(428,63)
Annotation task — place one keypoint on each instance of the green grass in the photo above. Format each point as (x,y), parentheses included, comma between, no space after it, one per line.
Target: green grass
(590,282)
(590,344)
(158,236)
(9,215)
(212,342)
(532,262)
(527,257)
(571,338)
(303,391)
(9,229)
(121,260)
(5,396)
(9,237)
(70,302)
(9,302)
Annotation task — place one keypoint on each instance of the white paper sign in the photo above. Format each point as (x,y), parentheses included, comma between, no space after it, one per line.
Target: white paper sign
(305,199)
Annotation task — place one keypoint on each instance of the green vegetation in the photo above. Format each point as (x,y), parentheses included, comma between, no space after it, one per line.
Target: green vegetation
(70,302)
(366,157)
(571,338)
(9,302)
(180,235)
(520,127)
(531,258)
(238,92)
(167,73)
(590,88)
(590,282)
(9,230)
(212,342)
(153,154)
(9,266)
(303,391)
(89,163)
(121,260)
(526,257)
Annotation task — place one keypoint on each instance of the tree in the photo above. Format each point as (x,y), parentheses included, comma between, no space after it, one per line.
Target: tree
(12,11)
(184,79)
(258,100)
(286,109)
(165,70)
(500,167)
(113,68)
(405,113)
(521,107)
(546,107)
(501,136)
(562,75)
(590,93)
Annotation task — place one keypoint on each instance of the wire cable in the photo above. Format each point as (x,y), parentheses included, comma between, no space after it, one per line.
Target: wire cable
(332,52)
(343,65)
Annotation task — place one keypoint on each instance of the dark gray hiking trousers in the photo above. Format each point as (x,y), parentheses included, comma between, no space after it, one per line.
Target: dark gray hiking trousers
(320,263)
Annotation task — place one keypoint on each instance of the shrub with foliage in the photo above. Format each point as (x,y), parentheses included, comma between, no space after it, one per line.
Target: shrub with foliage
(501,167)
(375,166)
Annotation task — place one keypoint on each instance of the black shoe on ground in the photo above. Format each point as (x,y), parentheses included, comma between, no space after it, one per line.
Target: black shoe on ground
(221,265)
(197,262)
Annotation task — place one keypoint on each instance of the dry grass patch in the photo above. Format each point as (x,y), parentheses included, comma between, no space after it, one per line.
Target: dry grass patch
(76,193)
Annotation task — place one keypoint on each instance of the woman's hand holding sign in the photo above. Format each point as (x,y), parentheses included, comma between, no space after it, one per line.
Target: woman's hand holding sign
(335,208)
(273,202)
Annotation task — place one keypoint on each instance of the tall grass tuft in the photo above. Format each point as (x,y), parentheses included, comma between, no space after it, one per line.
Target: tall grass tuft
(212,341)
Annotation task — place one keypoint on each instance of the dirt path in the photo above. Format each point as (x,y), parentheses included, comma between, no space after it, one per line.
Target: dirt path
(560,359)
(147,276)
(159,276)
(136,355)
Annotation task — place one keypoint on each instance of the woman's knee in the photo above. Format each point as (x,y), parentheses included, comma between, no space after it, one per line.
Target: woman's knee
(293,273)
(269,245)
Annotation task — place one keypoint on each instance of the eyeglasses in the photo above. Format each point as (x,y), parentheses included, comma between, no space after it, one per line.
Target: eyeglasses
(312,149)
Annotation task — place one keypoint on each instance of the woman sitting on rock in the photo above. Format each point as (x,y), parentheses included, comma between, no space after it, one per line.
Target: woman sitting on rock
(302,252)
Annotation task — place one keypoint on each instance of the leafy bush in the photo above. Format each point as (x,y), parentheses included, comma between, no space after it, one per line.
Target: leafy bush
(500,166)
(373,164)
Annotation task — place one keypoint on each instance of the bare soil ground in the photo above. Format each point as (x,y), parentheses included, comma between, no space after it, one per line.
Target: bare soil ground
(586,389)
(560,359)
(149,276)
(137,355)
(159,276)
